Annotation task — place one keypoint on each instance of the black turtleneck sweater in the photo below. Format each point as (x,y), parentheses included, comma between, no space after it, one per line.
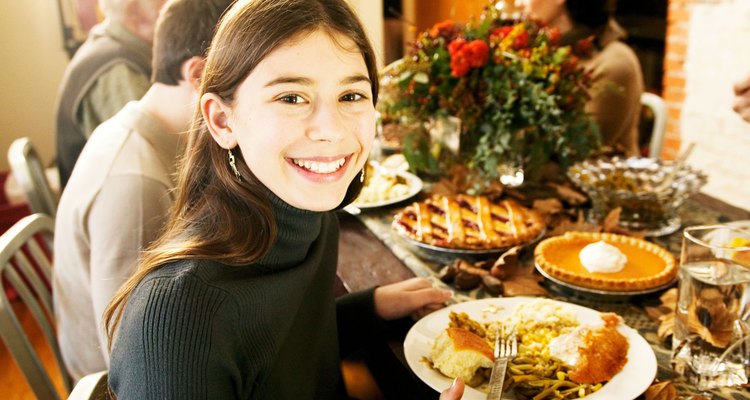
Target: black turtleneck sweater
(200,329)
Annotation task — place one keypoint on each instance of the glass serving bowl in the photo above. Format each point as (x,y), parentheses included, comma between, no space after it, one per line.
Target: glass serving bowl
(648,191)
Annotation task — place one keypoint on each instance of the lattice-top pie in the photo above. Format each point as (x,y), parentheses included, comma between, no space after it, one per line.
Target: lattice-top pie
(469,223)
(648,265)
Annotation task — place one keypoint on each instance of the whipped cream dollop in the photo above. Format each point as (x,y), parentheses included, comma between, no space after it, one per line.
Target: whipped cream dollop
(602,257)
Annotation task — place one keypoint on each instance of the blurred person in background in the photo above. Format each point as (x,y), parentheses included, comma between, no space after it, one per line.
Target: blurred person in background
(616,95)
(742,98)
(111,68)
(121,187)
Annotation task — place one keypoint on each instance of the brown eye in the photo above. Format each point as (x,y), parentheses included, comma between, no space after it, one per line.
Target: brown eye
(292,99)
(352,97)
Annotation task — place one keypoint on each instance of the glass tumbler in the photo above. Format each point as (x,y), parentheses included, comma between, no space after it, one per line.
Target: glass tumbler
(711,342)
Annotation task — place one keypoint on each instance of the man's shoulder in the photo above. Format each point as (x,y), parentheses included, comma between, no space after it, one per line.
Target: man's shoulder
(618,62)
(100,53)
(619,54)
(116,149)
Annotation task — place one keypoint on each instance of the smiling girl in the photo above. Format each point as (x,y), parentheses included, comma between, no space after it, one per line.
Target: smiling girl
(236,298)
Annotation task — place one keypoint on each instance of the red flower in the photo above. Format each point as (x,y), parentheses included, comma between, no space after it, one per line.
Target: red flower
(460,65)
(500,33)
(410,88)
(479,53)
(584,47)
(455,46)
(521,41)
(465,56)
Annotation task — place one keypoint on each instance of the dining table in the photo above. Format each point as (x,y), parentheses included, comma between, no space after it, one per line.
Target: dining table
(372,254)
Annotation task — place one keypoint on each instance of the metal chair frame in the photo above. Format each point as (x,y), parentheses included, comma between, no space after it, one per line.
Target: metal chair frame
(659,108)
(28,170)
(27,267)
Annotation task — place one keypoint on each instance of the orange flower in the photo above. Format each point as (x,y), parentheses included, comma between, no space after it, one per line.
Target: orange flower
(446,29)
(554,35)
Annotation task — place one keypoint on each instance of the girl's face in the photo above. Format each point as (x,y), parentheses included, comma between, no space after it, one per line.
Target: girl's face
(544,10)
(304,120)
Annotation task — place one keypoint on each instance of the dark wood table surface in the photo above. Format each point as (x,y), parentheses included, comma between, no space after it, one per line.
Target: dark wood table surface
(365,261)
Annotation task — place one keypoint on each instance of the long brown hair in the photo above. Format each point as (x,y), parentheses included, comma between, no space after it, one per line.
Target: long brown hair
(216,216)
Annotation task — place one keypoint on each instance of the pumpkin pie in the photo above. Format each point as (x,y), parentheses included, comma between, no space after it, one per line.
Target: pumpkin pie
(467,222)
(647,266)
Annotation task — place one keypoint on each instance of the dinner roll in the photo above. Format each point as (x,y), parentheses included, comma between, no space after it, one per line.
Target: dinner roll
(457,352)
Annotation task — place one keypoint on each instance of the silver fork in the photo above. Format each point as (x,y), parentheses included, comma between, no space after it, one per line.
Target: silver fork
(506,349)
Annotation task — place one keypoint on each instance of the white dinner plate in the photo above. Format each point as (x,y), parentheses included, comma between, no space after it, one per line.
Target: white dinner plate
(635,377)
(742,224)
(412,182)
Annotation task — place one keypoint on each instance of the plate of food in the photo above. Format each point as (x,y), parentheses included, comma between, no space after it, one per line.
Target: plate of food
(384,186)
(445,226)
(563,347)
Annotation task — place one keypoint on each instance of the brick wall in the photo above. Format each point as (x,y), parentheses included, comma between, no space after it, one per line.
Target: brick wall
(707,50)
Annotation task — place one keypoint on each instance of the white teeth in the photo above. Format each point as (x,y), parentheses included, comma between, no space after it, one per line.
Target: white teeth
(320,167)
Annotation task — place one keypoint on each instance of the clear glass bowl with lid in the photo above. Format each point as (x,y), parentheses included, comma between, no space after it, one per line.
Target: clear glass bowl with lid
(648,191)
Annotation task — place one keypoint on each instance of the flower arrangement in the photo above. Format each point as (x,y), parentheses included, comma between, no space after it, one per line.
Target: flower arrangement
(519,94)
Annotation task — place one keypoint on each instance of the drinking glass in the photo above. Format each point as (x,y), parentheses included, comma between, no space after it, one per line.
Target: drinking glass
(711,342)
(445,134)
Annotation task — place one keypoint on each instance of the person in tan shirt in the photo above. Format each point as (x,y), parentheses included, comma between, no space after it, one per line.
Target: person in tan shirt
(616,95)
(121,188)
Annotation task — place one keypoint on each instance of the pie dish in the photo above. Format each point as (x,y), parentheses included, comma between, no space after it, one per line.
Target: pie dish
(648,265)
(465,222)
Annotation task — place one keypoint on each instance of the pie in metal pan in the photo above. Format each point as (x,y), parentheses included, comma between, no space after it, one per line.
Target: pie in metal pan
(647,267)
(468,223)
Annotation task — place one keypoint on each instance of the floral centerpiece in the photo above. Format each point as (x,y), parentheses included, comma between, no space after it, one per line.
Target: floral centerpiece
(519,94)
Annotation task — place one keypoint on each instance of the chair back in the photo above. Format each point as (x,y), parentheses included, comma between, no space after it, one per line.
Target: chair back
(659,109)
(92,387)
(28,170)
(26,267)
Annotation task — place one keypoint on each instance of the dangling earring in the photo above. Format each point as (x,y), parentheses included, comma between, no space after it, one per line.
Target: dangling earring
(362,175)
(233,165)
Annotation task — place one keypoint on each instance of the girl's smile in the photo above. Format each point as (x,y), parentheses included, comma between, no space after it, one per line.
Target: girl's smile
(321,169)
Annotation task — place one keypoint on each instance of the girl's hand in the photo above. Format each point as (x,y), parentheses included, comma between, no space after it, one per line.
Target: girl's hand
(455,392)
(414,297)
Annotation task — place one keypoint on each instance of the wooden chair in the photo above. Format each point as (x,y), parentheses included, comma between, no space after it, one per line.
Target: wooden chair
(26,267)
(28,170)
(659,109)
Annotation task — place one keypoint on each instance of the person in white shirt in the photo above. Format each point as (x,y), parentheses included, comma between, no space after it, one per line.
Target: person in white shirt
(120,190)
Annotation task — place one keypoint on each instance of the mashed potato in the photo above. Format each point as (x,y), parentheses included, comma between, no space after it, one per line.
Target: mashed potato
(538,322)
